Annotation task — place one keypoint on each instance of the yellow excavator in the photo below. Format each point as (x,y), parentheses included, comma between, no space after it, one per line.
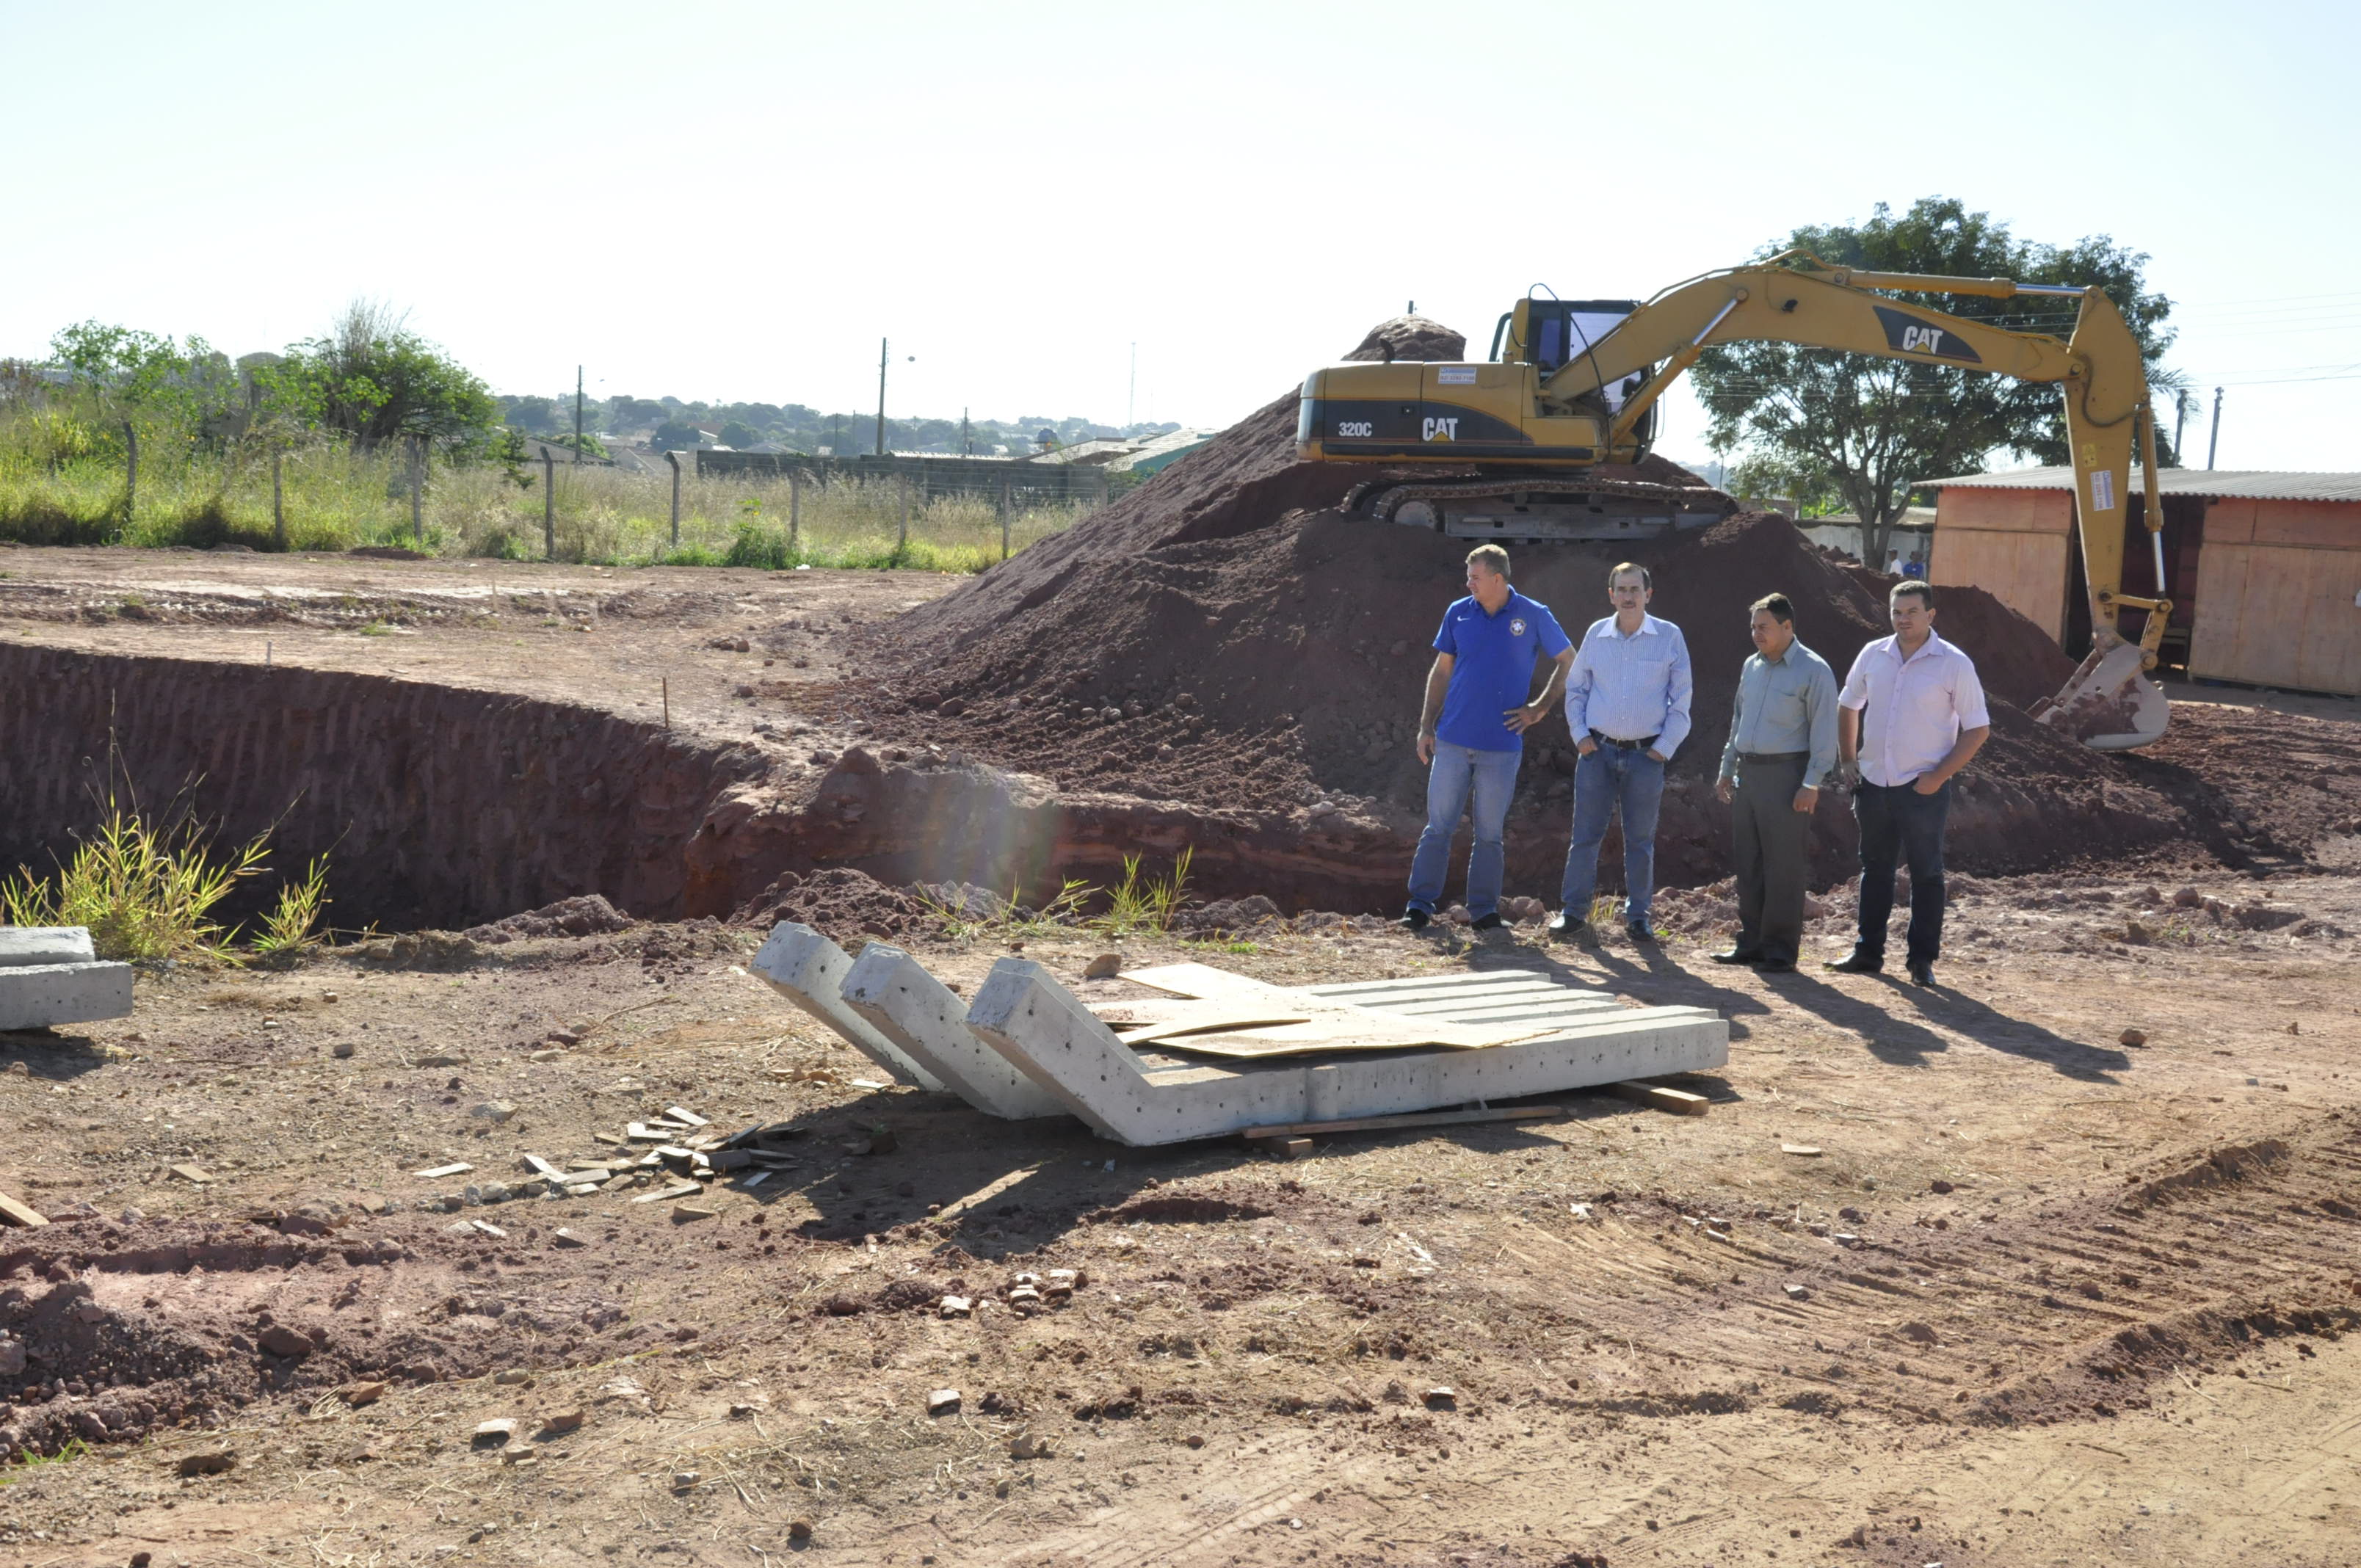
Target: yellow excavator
(1541,435)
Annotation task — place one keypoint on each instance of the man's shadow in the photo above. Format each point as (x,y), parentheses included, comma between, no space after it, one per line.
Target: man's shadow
(1590,965)
(1892,1037)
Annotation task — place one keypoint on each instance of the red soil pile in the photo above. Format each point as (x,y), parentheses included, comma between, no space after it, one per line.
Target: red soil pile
(839,903)
(1225,637)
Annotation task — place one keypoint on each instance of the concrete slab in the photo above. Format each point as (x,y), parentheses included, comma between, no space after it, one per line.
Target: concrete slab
(928,1022)
(808,970)
(24,944)
(35,996)
(1022,1011)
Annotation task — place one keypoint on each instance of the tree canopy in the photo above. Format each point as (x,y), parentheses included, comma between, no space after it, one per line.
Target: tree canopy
(1870,428)
(371,379)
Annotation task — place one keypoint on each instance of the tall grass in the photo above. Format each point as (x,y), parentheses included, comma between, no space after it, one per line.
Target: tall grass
(62,482)
(147,889)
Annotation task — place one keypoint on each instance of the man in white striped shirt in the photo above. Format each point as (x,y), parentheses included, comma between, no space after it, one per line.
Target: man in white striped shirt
(1627,701)
(1912,712)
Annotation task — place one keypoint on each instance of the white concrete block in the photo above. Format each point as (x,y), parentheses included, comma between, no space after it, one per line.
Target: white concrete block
(23,945)
(808,970)
(1037,1024)
(34,996)
(927,1021)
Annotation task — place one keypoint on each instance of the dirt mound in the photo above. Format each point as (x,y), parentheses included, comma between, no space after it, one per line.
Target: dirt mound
(590,915)
(1278,671)
(839,901)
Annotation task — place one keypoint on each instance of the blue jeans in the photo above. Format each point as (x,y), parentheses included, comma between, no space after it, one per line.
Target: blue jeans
(1608,777)
(1456,773)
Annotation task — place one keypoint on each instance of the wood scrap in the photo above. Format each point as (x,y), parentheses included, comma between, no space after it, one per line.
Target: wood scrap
(1412,1119)
(1661,1097)
(13,1213)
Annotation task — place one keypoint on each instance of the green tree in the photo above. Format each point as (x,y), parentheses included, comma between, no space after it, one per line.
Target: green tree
(129,371)
(1875,427)
(371,380)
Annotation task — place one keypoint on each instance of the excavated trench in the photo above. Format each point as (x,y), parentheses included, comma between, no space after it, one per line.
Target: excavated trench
(442,807)
(437,807)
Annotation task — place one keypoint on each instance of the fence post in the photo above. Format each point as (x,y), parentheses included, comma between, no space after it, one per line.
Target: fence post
(278,503)
(548,503)
(902,541)
(794,506)
(417,488)
(1003,520)
(130,473)
(674,458)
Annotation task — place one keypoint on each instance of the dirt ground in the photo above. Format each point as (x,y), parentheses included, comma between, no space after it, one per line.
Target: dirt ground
(2043,1295)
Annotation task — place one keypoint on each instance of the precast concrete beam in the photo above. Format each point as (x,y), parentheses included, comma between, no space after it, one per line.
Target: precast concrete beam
(24,944)
(808,970)
(926,1021)
(1022,1011)
(36,996)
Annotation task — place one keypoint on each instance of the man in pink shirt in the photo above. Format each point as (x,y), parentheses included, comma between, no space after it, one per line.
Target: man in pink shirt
(1912,713)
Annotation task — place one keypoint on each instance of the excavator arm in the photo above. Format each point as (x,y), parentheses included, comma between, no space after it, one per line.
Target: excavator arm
(1797,299)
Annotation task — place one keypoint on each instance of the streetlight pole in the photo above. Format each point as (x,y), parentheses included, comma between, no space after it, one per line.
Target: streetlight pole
(882,349)
(2215,443)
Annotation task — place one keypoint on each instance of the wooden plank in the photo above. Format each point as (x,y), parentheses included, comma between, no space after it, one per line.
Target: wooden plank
(2026,572)
(1658,1097)
(13,1213)
(1415,1119)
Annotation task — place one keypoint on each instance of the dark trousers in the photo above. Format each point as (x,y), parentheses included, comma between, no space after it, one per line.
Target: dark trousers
(1769,839)
(1897,823)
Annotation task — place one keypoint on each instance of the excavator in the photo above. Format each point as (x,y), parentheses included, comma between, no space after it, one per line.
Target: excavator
(1543,438)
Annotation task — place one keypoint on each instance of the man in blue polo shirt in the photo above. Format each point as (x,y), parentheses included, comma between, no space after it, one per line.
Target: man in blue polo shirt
(1471,732)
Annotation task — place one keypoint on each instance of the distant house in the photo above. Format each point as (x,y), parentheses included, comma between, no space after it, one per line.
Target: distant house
(2263,569)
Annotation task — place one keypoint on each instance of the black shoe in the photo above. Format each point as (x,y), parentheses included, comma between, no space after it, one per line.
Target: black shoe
(1415,920)
(1738,955)
(1859,963)
(1491,922)
(1775,966)
(1638,931)
(1922,974)
(1567,926)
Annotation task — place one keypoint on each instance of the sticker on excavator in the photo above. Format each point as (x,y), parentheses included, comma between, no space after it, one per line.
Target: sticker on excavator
(1455,376)
(2102,490)
(1908,335)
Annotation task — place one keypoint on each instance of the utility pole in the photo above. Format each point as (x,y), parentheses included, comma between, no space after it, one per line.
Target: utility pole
(577,413)
(881,396)
(967,436)
(2214,443)
(2180,418)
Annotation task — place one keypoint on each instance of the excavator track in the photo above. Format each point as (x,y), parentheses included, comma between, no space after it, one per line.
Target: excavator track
(1526,508)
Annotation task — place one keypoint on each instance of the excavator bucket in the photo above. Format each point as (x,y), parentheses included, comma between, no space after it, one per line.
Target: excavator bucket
(2109,704)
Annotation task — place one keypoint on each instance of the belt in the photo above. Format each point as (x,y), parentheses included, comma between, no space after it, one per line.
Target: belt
(1772,756)
(1624,745)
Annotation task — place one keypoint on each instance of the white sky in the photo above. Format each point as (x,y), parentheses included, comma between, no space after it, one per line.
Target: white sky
(734,200)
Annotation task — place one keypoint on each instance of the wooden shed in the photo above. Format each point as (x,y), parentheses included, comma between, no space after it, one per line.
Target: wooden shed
(2264,569)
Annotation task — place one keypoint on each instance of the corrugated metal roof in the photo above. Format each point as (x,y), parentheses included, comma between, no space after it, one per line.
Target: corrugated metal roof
(2243,484)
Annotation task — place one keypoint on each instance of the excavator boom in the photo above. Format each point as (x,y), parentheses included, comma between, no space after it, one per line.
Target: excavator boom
(1569,407)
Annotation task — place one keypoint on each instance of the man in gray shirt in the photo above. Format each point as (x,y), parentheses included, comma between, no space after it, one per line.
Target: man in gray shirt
(1783,741)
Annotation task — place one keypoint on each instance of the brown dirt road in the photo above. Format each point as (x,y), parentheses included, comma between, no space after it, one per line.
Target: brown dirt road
(2042,1298)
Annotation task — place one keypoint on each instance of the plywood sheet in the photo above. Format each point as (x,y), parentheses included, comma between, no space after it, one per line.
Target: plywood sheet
(1321,1024)
(2025,571)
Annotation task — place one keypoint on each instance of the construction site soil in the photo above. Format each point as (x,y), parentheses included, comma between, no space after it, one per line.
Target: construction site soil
(2051,1264)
